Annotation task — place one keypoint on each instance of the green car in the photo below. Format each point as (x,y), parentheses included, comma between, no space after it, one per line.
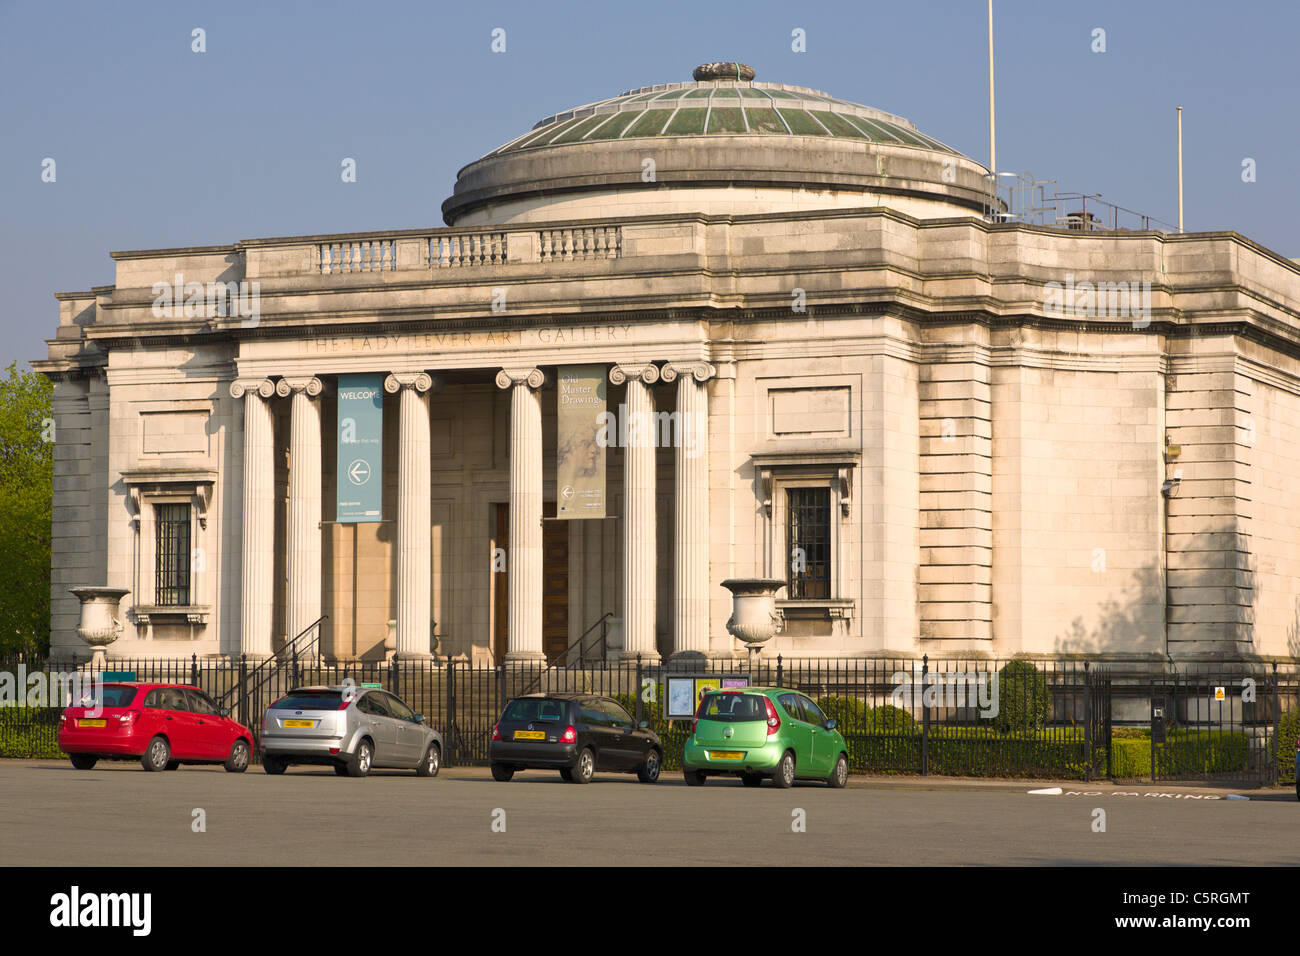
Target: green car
(757,732)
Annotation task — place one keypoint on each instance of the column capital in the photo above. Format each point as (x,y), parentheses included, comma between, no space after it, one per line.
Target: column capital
(263,387)
(420,381)
(701,371)
(532,377)
(647,373)
(311,386)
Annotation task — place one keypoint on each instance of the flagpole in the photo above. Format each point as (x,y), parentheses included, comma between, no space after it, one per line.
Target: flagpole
(1180,166)
(993,149)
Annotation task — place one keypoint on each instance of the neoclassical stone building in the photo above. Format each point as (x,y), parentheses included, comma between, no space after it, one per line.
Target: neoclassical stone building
(948,432)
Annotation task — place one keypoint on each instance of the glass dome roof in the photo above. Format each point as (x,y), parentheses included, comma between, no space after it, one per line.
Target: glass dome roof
(721,107)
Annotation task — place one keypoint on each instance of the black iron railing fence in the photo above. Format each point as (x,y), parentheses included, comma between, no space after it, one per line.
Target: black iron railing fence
(1019,718)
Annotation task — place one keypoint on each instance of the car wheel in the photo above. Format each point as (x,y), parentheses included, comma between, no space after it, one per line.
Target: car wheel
(431,763)
(157,755)
(274,765)
(362,757)
(693,778)
(566,775)
(751,779)
(648,772)
(839,777)
(501,772)
(340,770)
(584,768)
(237,762)
(83,761)
(784,776)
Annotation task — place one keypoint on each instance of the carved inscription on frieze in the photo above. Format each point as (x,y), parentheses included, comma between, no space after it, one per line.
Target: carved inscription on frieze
(471,339)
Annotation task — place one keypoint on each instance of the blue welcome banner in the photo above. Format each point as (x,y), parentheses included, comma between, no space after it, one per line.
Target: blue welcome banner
(360,448)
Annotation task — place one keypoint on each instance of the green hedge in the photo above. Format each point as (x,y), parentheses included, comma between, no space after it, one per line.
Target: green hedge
(849,713)
(1185,752)
(29,732)
(1195,752)
(673,734)
(887,740)
(973,751)
(1130,757)
(1023,700)
(1288,729)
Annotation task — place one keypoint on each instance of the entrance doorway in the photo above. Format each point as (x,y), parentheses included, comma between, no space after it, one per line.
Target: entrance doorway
(555,584)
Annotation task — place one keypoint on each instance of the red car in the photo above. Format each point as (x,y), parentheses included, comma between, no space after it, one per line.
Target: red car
(164,725)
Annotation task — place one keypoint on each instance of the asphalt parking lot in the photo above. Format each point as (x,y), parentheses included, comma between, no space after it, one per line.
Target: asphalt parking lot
(53,814)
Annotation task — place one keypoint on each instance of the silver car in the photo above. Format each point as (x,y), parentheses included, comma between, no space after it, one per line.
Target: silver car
(352,729)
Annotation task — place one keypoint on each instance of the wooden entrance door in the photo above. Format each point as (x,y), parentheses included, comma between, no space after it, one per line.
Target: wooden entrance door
(555,584)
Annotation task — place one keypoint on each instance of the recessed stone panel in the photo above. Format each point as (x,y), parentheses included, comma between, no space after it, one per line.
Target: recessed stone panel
(174,433)
(796,412)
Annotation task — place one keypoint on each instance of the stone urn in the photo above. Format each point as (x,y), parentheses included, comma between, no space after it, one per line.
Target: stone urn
(613,640)
(99,624)
(754,617)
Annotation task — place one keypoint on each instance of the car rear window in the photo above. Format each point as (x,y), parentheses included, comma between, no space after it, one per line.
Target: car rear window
(313,700)
(536,708)
(732,707)
(110,695)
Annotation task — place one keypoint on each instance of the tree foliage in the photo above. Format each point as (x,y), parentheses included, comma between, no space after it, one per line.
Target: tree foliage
(26,483)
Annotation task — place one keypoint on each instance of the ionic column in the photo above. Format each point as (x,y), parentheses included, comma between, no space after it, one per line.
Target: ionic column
(414,490)
(304,534)
(524,560)
(691,509)
(638,511)
(258,512)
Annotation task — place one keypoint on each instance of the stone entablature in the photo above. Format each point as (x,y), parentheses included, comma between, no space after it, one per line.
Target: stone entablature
(860,262)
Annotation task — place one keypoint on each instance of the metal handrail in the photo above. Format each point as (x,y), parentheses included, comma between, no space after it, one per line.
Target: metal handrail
(602,623)
(290,647)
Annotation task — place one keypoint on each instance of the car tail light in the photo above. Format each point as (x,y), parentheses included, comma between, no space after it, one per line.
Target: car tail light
(125,721)
(569,736)
(344,704)
(496,731)
(698,712)
(773,721)
(63,721)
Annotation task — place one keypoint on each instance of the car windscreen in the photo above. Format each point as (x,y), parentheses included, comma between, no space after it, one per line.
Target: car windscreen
(536,708)
(110,695)
(732,707)
(310,700)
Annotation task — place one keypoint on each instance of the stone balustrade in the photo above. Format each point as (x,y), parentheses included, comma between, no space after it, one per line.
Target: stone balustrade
(462,249)
(472,249)
(577,244)
(369,255)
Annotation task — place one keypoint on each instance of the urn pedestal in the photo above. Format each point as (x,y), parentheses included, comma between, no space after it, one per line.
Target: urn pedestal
(99,625)
(754,617)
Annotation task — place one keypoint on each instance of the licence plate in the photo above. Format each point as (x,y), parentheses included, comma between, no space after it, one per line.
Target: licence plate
(530,735)
(92,723)
(725,755)
(300,723)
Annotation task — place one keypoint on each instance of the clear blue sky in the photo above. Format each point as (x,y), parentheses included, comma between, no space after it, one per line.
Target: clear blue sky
(157,146)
